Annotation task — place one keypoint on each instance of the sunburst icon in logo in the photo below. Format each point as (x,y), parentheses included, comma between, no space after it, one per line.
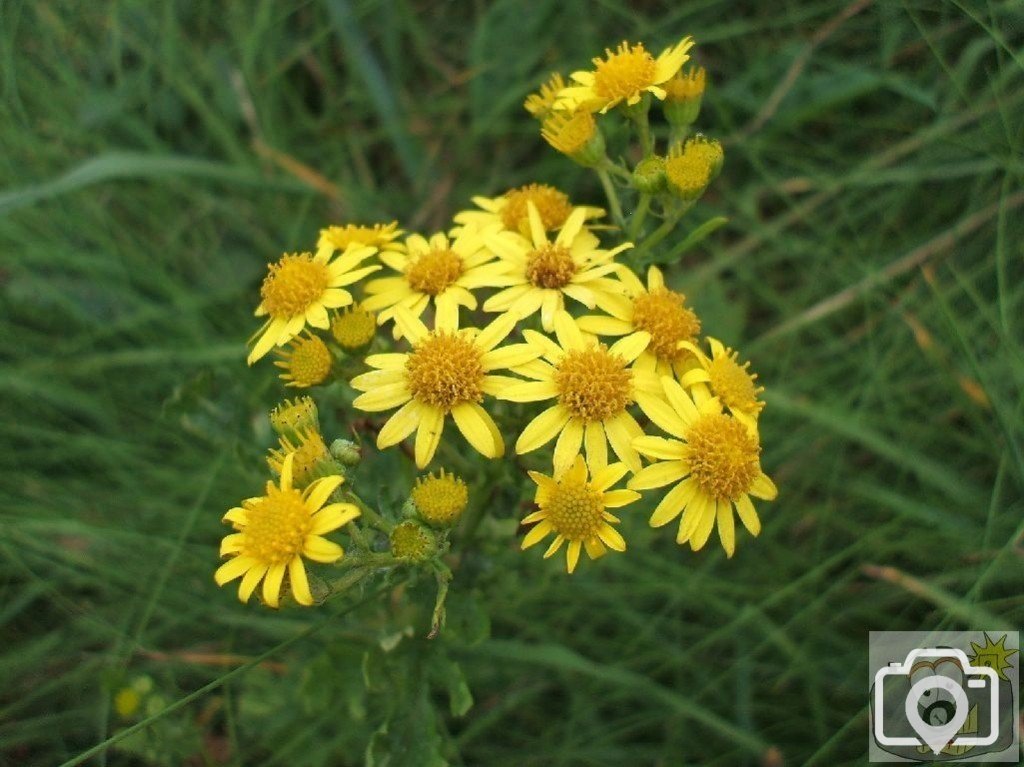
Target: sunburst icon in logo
(994,655)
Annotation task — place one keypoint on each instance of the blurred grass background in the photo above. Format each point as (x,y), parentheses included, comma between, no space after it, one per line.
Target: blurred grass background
(156,155)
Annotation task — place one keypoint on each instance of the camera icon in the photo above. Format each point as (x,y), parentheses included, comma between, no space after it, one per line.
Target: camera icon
(945,700)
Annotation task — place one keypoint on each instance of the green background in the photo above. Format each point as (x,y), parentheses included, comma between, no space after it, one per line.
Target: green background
(153,158)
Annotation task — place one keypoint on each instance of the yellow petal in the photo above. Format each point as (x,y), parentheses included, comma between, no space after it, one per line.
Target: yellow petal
(272,585)
(400,425)
(673,503)
(705,524)
(537,533)
(597,446)
(321,550)
(662,414)
(764,488)
(332,517)
(428,435)
(568,446)
(251,581)
(383,397)
(748,515)
(615,499)
(320,490)
(572,555)
(611,538)
(726,527)
(479,429)
(542,429)
(604,478)
(621,431)
(233,568)
(299,582)
(509,356)
(658,475)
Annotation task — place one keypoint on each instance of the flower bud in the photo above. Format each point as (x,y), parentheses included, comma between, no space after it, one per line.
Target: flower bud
(440,500)
(576,135)
(412,542)
(292,417)
(683,96)
(691,167)
(649,175)
(354,328)
(346,452)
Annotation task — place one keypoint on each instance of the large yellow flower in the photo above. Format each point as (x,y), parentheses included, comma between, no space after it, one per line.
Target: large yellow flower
(594,386)
(716,462)
(576,510)
(734,385)
(275,531)
(300,288)
(380,236)
(509,212)
(544,272)
(441,270)
(447,372)
(624,76)
(661,312)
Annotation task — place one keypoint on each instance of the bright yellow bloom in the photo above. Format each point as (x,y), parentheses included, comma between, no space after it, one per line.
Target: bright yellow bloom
(441,270)
(310,457)
(541,273)
(576,135)
(295,416)
(380,236)
(576,510)
(275,531)
(447,372)
(440,500)
(686,85)
(594,386)
(661,312)
(306,361)
(354,327)
(300,288)
(716,461)
(541,104)
(734,385)
(691,167)
(510,211)
(624,76)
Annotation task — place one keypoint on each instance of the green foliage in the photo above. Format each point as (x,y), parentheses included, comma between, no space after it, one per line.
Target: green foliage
(156,156)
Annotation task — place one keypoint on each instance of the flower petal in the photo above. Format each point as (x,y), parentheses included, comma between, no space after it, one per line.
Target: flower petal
(321,550)
(479,429)
(428,435)
(332,517)
(542,429)
(272,585)
(299,582)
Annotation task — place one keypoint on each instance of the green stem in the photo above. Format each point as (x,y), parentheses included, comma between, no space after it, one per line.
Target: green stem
(371,516)
(612,195)
(659,234)
(636,221)
(444,577)
(643,128)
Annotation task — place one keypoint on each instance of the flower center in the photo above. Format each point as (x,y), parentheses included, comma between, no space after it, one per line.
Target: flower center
(723,455)
(445,369)
(411,542)
(440,500)
(662,314)
(552,205)
(293,284)
(624,73)
(689,172)
(310,455)
(594,384)
(733,383)
(296,415)
(277,527)
(575,510)
(354,327)
(550,267)
(309,362)
(434,271)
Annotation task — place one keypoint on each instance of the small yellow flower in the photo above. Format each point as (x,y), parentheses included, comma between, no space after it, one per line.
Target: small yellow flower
(691,167)
(576,511)
(541,104)
(541,273)
(295,416)
(510,211)
(310,457)
(440,500)
(305,362)
(440,270)
(354,327)
(661,312)
(576,135)
(716,461)
(276,530)
(412,542)
(686,85)
(300,288)
(380,236)
(594,386)
(734,385)
(624,76)
(448,372)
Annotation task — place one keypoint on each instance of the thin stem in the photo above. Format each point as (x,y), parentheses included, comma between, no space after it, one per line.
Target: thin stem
(444,577)
(636,221)
(368,513)
(659,234)
(612,195)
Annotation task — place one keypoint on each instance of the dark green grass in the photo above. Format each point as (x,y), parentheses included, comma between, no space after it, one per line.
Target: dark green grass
(871,269)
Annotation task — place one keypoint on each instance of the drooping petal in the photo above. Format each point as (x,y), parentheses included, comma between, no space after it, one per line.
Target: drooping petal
(479,429)
(272,585)
(428,435)
(400,425)
(542,429)
(299,582)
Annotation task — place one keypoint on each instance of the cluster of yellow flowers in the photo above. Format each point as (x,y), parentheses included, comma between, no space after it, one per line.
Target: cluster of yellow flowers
(519,301)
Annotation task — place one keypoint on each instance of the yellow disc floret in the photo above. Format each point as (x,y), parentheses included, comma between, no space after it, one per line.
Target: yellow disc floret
(440,500)
(724,456)
(541,103)
(354,327)
(293,284)
(411,542)
(734,384)
(550,266)
(378,235)
(686,85)
(552,205)
(593,384)
(663,314)
(434,271)
(575,509)
(306,361)
(445,369)
(623,72)
(277,526)
(311,458)
(569,134)
(294,416)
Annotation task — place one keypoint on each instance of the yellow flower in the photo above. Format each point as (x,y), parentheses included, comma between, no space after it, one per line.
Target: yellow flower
(716,461)
(354,327)
(686,85)
(734,385)
(510,211)
(380,236)
(275,531)
(594,386)
(306,361)
(440,269)
(440,500)
(447,372)
(310,457)
(541,103)
(300,288)
(575,510)
(661,312)
(295,416)
(541,273)
(624,76)
(412,542)
(576,135)
(691,167)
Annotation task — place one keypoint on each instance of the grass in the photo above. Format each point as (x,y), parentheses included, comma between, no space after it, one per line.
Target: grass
(155,156)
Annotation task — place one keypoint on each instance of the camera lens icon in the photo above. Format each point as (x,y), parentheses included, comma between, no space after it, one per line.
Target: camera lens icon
(937,705)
